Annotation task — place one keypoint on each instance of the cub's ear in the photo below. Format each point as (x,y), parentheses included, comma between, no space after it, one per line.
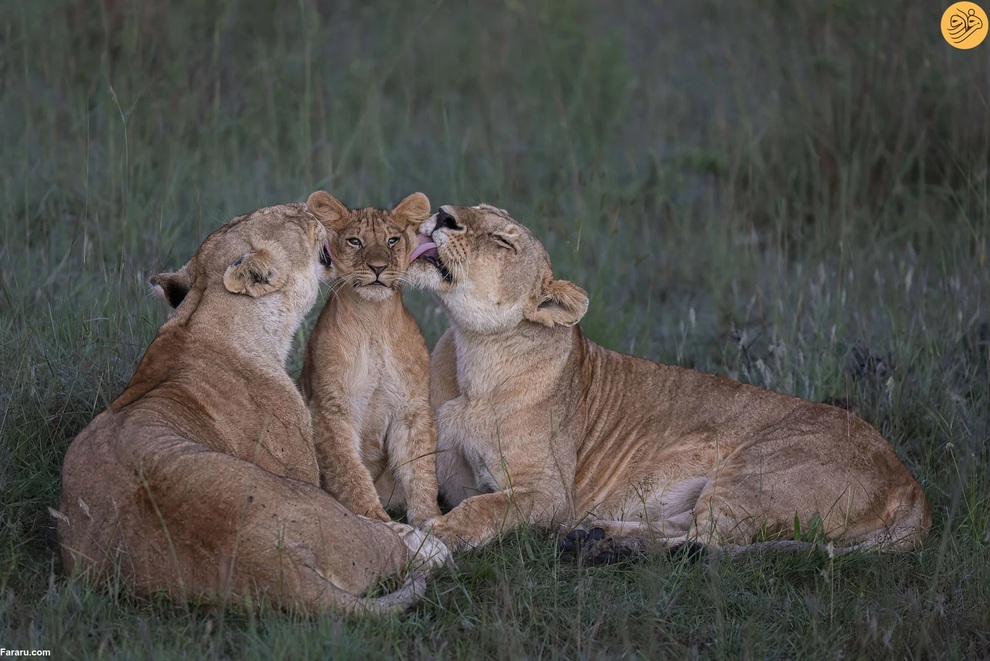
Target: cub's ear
(172,287)
(411,211)
(328,210)
(561,303)
(257,272)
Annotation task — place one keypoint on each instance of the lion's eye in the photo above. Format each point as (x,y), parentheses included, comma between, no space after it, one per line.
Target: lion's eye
(392,240)
(354,242)
(503,242)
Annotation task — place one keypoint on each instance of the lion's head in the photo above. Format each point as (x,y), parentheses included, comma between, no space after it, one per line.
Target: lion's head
(370,248)
(491,273)
(276,249)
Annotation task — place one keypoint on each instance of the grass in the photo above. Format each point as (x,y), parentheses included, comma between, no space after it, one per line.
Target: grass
(792,195)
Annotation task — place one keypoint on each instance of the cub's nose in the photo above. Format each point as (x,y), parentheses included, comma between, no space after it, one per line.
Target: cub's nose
(377,267)
(446,220)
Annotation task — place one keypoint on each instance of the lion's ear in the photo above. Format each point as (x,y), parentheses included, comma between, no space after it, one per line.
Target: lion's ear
(561,303)
(172,287)
(328,210)
(411,211)
(257,272)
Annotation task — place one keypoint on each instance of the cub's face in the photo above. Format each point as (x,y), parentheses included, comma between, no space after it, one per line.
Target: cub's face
(491,273)
(370,248)
(281,250)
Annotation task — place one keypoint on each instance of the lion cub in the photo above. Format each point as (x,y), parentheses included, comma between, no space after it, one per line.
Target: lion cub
(366,371)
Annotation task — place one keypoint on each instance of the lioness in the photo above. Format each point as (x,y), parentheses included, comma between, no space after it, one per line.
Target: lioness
(539,424)
(366,373)
(201,480)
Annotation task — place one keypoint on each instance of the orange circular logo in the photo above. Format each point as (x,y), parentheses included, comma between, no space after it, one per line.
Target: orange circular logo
(964,25)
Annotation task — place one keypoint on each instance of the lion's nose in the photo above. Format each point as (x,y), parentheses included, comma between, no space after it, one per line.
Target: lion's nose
(446,220)
(377,267)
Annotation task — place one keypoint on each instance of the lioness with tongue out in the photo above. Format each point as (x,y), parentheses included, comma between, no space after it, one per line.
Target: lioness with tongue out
(539,424)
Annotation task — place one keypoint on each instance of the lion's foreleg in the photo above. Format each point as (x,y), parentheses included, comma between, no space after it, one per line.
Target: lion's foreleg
(412,455)
(342,472)
(479,519)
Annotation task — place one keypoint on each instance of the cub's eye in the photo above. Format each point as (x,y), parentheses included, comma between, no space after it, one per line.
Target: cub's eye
(392,240)
(354,242)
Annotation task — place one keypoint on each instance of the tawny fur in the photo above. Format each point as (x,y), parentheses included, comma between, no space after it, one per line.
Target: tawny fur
(539,424)
(200,480)
(366,372)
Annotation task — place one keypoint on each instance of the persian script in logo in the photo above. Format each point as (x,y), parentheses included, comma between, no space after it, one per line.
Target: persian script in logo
(964,25)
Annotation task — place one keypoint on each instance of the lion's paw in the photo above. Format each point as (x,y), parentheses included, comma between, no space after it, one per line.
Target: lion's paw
(597,547)
(594,547)
(428,551)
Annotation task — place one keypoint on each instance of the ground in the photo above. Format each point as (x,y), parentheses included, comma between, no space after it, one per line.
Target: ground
(790,194)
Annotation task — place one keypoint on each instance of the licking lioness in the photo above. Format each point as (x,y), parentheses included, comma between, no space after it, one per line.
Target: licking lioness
(201,480)
(539,424)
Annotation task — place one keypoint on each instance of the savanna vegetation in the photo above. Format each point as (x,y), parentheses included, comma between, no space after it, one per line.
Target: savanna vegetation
(791,194)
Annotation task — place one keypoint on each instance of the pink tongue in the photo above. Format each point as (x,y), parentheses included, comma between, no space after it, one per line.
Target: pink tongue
(425,245)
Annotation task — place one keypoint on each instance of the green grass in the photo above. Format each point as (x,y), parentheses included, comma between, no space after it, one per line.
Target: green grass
(791,194)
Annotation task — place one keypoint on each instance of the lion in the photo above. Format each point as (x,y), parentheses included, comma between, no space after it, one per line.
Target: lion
(200,480)
(366,371)
(538,424)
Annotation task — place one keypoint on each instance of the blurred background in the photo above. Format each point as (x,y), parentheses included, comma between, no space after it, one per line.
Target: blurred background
(787,193)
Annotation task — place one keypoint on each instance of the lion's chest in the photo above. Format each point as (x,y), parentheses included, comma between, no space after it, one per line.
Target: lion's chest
(475,429)
(378,390)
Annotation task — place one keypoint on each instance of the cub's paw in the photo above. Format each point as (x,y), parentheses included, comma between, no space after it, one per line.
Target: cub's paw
(428,551)
(422,517)
(378,513)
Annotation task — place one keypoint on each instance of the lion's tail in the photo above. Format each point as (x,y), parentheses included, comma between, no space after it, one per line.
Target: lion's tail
(394,602)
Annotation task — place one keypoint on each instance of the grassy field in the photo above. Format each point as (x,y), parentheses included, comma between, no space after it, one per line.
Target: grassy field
(791,194)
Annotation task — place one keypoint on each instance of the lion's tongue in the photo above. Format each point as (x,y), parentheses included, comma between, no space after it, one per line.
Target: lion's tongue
(425,246)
